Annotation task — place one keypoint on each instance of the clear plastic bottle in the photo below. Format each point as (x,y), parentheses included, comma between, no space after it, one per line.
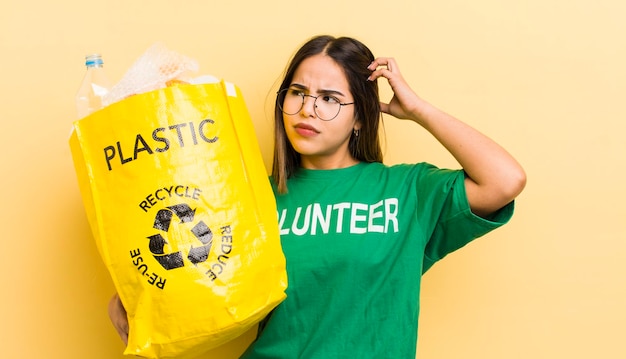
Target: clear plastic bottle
(94,86)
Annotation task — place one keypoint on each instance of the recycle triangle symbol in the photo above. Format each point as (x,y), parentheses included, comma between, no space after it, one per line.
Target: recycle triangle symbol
(200,231)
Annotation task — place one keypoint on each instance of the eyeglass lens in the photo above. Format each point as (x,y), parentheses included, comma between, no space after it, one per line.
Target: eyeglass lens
(326,107)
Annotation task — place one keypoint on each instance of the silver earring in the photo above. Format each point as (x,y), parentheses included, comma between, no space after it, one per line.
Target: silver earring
(356,133)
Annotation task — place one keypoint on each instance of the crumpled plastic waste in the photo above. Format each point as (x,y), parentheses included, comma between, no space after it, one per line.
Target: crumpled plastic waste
(157,68)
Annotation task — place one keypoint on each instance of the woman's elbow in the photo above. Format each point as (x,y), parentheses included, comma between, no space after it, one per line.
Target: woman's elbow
(515,184)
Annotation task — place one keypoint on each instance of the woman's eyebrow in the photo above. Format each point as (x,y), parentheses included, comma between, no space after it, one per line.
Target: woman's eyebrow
(322,91)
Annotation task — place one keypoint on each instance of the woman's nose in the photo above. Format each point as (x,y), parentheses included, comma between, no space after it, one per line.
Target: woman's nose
(308,107)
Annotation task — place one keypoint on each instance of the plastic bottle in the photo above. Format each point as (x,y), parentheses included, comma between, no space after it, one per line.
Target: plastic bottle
(94,86)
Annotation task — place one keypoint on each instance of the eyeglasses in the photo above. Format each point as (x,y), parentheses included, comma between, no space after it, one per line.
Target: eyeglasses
(291,101)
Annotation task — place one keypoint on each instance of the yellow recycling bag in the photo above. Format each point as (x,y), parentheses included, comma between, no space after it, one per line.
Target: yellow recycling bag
(183,215)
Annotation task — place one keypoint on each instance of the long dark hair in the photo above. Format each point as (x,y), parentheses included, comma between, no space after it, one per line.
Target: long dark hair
(354,57)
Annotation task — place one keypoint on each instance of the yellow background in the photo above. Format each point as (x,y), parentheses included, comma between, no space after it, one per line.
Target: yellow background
(546,79)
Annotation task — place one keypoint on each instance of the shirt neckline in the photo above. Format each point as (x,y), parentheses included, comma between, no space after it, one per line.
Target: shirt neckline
(305,173)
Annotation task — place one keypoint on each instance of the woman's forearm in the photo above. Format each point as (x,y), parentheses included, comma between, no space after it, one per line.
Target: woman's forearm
(494,177)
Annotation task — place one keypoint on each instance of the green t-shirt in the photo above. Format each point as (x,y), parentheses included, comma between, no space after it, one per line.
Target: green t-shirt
(357,241)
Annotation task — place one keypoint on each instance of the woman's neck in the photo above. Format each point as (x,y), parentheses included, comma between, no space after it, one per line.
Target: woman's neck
(327,162)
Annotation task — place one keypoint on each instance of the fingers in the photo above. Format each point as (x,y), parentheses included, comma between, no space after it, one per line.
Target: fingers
(118,316)
(404,99)
(383,67)
(388,62)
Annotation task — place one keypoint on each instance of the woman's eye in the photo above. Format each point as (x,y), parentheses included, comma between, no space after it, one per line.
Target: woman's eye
(330,99)
(295,92)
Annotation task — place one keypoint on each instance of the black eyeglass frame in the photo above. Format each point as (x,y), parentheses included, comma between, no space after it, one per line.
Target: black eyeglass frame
(281,99)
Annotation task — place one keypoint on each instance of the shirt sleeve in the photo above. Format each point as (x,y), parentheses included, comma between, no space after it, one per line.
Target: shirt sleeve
(454,224)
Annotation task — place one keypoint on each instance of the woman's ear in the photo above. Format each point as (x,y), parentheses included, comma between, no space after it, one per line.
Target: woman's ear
(356,129)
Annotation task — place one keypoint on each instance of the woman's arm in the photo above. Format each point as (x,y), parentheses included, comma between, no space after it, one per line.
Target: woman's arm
(494,177)
(118,316)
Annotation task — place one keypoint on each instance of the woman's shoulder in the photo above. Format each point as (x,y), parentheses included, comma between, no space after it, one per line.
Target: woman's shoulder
(399,167)
(422,174)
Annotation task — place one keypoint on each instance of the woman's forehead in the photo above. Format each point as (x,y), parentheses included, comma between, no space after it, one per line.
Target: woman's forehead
(321,72)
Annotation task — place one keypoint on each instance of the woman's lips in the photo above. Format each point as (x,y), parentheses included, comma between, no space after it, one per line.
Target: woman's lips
(306,130)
